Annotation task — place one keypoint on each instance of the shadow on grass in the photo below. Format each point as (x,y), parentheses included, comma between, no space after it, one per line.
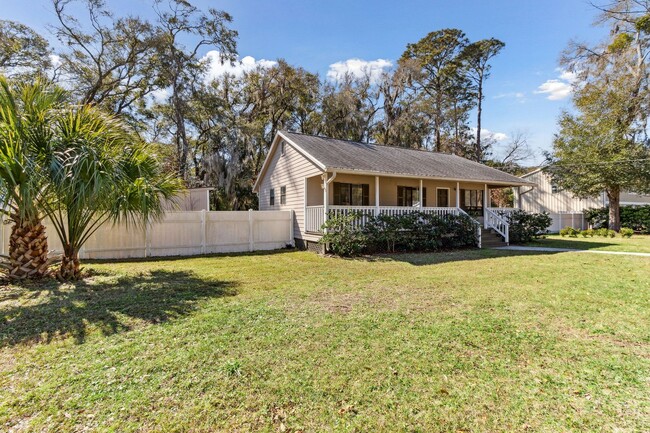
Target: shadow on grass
(44,312)
(190,257)
(440,257)
(570,243)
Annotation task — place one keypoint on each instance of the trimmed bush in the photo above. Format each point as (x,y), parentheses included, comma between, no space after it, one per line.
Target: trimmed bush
(343,237)
(414,231)
(524,226)
(570,232)
(636,218)
(626,232)
(587,233)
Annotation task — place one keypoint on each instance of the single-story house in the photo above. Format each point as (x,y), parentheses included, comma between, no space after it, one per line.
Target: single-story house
(317,176)
(565,208)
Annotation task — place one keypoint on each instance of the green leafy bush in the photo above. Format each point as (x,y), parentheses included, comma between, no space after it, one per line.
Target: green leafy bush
(602,232)
(415,231)
(524,226)
(626,232)
(343,236)
(635,217)
(570,232)
(587,233)
(611,233)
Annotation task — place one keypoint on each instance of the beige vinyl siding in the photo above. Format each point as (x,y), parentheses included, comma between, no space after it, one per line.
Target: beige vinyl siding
(542,198)
(630,198)
(288,170)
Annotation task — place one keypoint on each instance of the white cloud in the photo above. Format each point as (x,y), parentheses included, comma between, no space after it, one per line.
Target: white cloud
(55,61)
(217,69)
(161,95)
(486,134)
(559,88)
(358,68)
(516,95)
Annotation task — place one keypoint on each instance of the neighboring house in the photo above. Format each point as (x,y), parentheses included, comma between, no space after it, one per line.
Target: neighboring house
(318,176)
(192,199)
(547,197)
(564,207)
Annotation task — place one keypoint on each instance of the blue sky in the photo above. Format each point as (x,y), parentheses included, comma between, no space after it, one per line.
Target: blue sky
(319,34)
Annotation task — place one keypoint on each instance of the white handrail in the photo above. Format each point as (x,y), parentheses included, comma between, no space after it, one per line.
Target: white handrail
(495,221)
(477,226)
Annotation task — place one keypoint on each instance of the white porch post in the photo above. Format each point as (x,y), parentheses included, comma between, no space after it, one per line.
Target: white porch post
(420,196)
(458,195)
(485,206)
(376,195)
(326,207)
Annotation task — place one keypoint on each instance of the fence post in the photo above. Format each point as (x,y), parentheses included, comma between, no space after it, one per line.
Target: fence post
(147,240)
(251,243)
(291,216)
(203,233)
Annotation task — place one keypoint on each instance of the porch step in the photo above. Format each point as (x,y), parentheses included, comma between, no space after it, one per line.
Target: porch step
(490,239)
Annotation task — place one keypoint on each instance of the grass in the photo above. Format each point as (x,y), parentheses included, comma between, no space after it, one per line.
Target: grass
(473,341)
(637,243)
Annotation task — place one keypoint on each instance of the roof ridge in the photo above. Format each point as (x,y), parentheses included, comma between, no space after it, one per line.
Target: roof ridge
(390,146)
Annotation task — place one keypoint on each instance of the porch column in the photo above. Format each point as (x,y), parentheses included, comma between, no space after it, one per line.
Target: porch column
(376,195)
(326,206)
(458,195)
(485,206)
(421,190)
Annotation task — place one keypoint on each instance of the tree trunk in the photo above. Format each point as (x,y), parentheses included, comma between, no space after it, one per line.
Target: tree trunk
(27,249)
(479,109)
(614,197)
(70,267)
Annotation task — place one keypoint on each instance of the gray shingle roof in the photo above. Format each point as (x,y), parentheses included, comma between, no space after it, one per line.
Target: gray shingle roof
(371,158)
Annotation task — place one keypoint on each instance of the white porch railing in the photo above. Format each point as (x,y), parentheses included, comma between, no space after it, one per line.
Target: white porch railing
(503,211)
(477,228)
(495,220)
(315,215)
(314,218)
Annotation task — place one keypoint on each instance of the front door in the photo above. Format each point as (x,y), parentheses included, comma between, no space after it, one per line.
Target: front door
(442,197)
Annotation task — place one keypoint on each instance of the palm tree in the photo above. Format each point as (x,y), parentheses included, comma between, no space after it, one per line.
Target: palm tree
(26,115)
(99,171)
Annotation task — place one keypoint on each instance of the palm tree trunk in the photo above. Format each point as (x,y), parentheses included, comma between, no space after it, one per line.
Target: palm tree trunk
(70,269)
(27,249)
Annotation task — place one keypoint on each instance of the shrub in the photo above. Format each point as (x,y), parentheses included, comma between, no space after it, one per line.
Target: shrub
(635,217)
(611,233)
(343,236)
(414,231)
(570,232)
(602,232)
(525,226)
(626,232)
(587,233)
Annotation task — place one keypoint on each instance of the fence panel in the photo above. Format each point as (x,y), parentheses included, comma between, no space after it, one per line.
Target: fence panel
(182,234)
(561,220)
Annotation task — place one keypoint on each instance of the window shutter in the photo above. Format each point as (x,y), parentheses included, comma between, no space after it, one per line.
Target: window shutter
(366,194)
(337,193)
(424,197)
(272,197)
(400,196)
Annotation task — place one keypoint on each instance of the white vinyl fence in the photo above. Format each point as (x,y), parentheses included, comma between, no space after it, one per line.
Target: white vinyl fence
(561,220)
(183,234)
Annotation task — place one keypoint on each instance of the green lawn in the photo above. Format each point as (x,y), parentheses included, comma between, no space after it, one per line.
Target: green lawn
(637,243)
(474,341)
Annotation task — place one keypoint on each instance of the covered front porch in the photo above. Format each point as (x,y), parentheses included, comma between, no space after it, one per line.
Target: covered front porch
(341,193)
